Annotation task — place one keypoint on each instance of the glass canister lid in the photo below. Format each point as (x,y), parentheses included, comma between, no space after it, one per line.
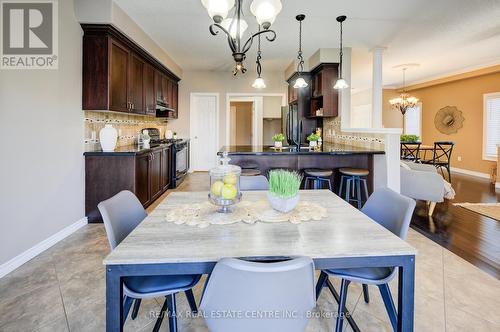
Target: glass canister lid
(225,168)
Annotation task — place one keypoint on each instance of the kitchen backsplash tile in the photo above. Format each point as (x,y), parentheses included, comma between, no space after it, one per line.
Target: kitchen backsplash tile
(128,127)
(333,134)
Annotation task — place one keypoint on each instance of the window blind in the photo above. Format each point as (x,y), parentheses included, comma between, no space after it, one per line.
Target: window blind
(413,121)
(491,125)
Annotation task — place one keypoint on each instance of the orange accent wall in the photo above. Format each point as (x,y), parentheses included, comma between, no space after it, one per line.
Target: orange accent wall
(467,95)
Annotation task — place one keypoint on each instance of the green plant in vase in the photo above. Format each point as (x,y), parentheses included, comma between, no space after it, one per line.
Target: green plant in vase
(313,139)
(284,190)
(278,140)
(410,138)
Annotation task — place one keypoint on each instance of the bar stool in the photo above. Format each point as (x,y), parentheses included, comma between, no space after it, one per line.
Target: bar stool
(250,172)
(353,178)
(318,176)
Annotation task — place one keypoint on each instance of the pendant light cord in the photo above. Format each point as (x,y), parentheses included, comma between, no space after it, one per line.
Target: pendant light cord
(300,66)
(341,51)
(259,57)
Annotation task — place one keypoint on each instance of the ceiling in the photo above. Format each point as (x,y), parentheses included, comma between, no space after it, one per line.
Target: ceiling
(443,36)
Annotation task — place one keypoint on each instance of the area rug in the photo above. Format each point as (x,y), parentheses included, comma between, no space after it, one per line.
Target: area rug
(491,210)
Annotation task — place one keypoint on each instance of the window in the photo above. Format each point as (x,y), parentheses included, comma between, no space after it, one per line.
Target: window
(413,121)
(491,126)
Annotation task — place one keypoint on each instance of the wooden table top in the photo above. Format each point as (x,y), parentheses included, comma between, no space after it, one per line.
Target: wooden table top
(346,232)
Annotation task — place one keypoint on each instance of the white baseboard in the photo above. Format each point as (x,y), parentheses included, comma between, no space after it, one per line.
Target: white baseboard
(22,258)
(472,173)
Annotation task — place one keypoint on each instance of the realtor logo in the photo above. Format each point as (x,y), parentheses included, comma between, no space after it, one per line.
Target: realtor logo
(29,34)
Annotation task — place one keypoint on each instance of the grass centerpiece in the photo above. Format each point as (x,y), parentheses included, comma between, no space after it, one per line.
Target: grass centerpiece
(410,138)
(284,190)
(278,140)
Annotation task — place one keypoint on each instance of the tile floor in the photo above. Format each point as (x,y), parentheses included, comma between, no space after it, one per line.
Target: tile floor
(63,289)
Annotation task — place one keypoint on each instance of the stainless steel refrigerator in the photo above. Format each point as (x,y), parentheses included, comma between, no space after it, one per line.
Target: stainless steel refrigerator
(291,124)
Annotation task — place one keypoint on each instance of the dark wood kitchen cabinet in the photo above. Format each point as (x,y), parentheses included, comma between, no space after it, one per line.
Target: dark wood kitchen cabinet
(118,64)
(147,174)
(119,75)
(323,95)
(149,89)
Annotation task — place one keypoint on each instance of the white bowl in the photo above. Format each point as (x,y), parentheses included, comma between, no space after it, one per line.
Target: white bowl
(284,205)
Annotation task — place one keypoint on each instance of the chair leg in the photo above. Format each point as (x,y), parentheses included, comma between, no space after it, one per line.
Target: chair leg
(342,312)
(366,294)
(341,185)
(191,301)
(358,189)
(348,190)
(321,283)
(127,303)
(135,310)
(163,312)
(432,205)
(348,316)
(172,317)
(366,189)
(330,185)
(385,291)
(449,173)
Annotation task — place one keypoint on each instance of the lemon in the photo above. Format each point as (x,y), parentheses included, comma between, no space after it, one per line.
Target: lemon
(230,179)
(229,191)
(216,188)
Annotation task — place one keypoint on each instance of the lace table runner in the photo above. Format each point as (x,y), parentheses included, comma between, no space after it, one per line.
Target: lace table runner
(205,214)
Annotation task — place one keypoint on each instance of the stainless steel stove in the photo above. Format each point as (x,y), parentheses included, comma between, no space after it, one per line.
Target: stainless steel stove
(180,155)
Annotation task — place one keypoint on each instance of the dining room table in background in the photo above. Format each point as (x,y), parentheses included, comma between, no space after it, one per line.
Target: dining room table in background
(346,238)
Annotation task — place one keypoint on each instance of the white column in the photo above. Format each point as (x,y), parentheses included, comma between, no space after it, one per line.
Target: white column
(377,87)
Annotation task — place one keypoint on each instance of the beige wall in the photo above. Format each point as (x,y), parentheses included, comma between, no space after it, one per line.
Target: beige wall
(243,122)
(467,95)
(41,127)
(221,82)
(390,117)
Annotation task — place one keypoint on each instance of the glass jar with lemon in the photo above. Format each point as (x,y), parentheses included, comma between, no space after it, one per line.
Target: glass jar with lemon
(225,184)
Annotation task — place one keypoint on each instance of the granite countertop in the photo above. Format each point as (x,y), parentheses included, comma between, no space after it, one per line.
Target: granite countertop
(326,149)
(125,150)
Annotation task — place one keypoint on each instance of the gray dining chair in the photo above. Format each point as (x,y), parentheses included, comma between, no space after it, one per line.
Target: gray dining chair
(394,212)
(262,296)
(258,182)
(121,214)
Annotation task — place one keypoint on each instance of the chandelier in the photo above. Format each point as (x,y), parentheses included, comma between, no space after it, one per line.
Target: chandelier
(265,12)
(405,100)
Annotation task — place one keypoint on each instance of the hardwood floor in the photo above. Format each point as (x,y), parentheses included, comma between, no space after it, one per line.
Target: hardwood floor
(471,236)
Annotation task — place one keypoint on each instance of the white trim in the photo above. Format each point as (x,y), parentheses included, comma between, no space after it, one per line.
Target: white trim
(191,117)
(472,173)
(373,130)
(497,185)
(485,97)
(246,96)
(37,249)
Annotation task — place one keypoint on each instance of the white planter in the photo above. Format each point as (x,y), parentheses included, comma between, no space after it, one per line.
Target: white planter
(312,144)
(278,145)
(108,136)
(283,204)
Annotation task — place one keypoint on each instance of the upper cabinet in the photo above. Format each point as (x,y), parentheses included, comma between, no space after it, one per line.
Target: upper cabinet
(120,76)
(324,98)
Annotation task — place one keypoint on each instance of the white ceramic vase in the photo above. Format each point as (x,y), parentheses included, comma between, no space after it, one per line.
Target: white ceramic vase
(313,144)
(278,144)
(283,205)
(108,136)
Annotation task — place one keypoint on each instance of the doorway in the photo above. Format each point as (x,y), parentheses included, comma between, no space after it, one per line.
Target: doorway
(240,131)
(204,129)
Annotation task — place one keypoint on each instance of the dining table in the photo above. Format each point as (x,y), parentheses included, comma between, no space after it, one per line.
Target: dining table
(343,238)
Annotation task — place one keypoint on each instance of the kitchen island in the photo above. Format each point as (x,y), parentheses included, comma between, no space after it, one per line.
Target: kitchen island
(330,156)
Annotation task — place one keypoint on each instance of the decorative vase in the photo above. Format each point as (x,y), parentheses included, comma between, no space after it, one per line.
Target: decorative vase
(312,144)
(108,136)
(278,144)
(283,205)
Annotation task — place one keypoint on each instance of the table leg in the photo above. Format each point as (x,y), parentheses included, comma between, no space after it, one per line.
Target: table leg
(406,294)
(114,294)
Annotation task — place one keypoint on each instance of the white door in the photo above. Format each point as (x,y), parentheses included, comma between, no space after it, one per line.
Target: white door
(204,131)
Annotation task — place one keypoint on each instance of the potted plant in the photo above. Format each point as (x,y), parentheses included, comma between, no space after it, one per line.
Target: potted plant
(313,140)
(283,191)
(278,140)
(409,138)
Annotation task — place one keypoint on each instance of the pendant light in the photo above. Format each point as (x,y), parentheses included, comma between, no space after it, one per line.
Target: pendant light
(341,83)
(405,100)
(300,82)
(259,81)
